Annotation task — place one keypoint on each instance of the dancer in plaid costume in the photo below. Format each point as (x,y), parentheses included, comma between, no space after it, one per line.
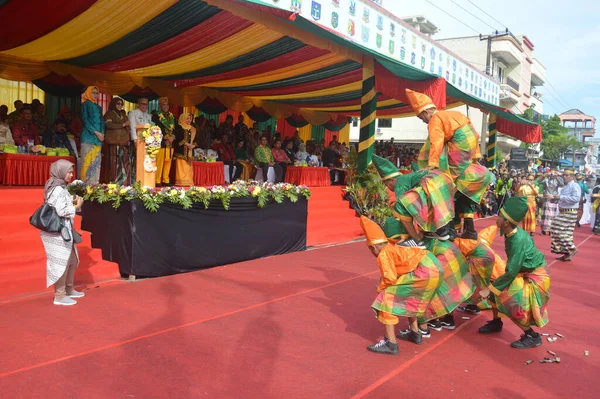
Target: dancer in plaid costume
(523,291)
(484,263)
(453,132)
(409,279)
(424,197)
(456,288)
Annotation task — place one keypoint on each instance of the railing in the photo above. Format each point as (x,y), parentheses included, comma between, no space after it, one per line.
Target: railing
(511,83)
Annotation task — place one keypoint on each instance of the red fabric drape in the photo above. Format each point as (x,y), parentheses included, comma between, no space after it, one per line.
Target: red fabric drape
(284,61)
(209,173)
(18,27)
(307,176)
(393,86)
(521,131)
(217,28)
(329,136)
(339,80)
(26,170)
(285,129)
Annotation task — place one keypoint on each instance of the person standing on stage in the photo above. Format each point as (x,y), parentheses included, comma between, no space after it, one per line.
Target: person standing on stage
(92,137)
(184,146)
(166,121)
(453,132)
(137,117)
(523,291)
(551,186)
(563,224)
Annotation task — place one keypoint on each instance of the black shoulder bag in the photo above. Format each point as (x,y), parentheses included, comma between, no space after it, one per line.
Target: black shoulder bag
(46,219)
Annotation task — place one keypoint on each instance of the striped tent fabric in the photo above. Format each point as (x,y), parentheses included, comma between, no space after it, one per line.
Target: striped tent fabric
(239,55)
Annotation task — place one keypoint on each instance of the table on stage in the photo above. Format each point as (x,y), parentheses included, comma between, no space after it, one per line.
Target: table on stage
(27,170)
(208,173)
(307,176)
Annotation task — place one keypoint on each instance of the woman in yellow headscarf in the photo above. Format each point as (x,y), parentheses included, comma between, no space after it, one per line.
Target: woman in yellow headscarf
(184,146)
(92,136)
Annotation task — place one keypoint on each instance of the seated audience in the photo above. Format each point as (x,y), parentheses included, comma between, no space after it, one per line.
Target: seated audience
(264,158)
(281,157)
(56,137)
(25,130)
(227,156)
(332,159)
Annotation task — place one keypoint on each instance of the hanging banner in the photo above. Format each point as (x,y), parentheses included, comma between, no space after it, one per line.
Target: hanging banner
(369,25)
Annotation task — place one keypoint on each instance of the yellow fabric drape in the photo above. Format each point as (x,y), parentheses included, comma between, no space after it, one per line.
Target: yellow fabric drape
(356,107)
(283,73)
(10,91)
(305,132)
(100,25)
(18,69)
(317,93)
(344,134)
(241,43)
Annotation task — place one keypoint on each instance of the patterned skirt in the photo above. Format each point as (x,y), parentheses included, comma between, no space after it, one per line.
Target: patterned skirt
(116,166)
(596,220)
(431,203)
(481,265)
(549,212)
(91,158)
(529,221)
(525,301)
(561,233)
(473,182)
(457,285)
(412,293)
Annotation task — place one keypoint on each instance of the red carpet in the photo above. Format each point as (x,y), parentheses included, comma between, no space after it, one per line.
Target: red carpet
(292,326)
(23,262)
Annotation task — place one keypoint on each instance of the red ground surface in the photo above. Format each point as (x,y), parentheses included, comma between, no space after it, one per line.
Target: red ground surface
(292,326)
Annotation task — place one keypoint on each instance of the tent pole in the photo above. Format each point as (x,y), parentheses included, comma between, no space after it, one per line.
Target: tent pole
(368,114)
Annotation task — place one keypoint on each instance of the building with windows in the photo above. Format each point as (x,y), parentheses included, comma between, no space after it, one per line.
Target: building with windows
(513,66)
(579,124)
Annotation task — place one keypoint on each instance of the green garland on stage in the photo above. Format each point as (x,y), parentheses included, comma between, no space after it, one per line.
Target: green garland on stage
(152,198)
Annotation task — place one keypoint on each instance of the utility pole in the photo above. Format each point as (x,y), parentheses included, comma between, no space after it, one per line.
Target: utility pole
(488,71)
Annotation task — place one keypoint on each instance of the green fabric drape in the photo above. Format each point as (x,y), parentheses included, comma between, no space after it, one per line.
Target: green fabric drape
(318,133)
(262,126)
(54,104)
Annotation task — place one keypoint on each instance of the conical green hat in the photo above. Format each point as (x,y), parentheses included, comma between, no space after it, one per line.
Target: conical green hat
(385,168)
(515,209)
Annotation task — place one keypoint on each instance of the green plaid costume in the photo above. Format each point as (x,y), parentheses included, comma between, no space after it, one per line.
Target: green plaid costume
(457,285)
(411,295)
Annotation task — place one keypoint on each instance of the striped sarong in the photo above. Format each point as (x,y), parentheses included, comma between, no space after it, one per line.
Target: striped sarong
(412,293)
(457,285)
(431,203)
(549,211)
(525,301)
(529,221)
(562,230)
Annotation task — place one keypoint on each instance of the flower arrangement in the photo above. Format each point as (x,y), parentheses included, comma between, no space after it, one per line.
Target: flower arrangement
(205,158)
(300,163)
(38,149)
(152,198)
(152,136)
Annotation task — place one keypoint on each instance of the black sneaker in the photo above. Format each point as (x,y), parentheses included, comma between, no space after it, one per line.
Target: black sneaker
(425,333)
(570,255)
(384,347)
(448,322)
(410,336)
(435,324)
(472,309)
(411,243)
(443,233)
(469,235)
(492,326)
(527,341)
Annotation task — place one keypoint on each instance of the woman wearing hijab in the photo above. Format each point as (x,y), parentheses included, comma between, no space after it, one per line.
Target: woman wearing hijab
(185,134)
(92,137)
(302,155)
(61,254)
(116,165)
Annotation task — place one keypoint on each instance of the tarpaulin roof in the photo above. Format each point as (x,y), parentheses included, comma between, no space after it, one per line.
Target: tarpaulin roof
(241,54)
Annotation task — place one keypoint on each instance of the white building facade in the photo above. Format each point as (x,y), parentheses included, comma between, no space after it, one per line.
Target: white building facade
(514,66)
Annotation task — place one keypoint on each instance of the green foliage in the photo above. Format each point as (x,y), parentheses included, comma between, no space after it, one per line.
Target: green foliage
(152,198)
(555,140)
(367,190)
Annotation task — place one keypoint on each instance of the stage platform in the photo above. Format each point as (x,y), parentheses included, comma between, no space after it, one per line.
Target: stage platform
(23,261)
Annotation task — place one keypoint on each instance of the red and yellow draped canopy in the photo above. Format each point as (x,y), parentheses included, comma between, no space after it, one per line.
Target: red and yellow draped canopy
(235,53)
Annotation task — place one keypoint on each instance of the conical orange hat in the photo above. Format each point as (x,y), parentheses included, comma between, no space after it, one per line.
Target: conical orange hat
(419,101)
(488,234)
(373,232)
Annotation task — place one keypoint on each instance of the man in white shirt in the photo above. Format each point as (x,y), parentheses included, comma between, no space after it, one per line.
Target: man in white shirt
(139,116)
